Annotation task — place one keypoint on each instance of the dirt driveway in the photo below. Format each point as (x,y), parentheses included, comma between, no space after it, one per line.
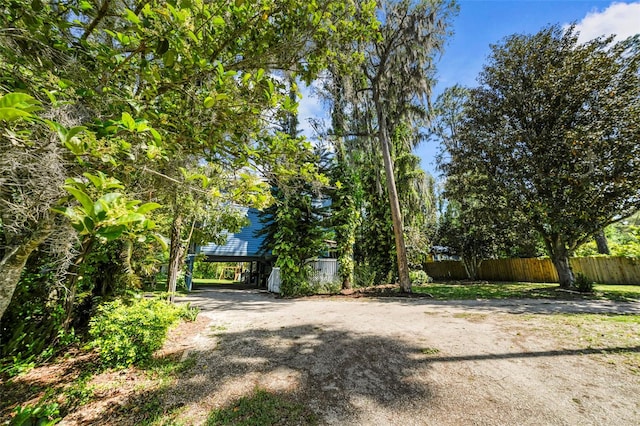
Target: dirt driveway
(395,361)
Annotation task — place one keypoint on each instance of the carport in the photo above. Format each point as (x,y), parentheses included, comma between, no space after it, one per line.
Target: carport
(243,246)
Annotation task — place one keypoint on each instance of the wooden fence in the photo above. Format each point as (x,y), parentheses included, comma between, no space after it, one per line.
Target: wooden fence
(604,270)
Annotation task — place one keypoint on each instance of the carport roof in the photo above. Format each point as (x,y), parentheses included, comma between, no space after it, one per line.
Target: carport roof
(241,246)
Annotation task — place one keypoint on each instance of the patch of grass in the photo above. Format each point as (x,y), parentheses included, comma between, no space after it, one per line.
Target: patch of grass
(164,370)
(617,292)
(213,281)
(616,334)
(466,291)
(430,351)
(263,408)
(471,316)
(79,392)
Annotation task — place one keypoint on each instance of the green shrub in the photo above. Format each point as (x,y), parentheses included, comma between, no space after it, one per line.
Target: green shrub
(127,334)
(583,283)
(41,414)
(364,275)
(189,313)
(419,277)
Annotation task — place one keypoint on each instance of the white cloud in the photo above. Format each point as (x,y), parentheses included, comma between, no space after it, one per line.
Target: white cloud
(621,19)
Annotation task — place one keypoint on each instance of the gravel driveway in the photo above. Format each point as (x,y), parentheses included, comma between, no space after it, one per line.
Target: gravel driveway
(394,361)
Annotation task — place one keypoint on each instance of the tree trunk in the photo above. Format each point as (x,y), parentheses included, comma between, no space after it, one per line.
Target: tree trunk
(560,258)
(396,216)
(13,262)
(74,271)
(471,266)
(176,253)
(601,242)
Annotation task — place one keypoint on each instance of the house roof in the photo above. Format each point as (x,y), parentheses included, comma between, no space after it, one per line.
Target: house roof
(243,245)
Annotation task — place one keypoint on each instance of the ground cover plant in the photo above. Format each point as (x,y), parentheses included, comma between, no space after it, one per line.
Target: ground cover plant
(486,290)
(262,408)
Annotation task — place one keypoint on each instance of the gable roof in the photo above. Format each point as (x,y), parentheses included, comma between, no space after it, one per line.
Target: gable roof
(241,246)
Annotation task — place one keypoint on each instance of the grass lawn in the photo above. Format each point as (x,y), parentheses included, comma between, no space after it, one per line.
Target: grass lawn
(452,291)
(213,281)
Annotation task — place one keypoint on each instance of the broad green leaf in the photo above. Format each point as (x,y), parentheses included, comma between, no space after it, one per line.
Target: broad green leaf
(97,181)
(74,131)
(10,114)
(142,126)
(217,21)
(193,37)
(81,197)
(170,58)
(131,16)
(111,197)
(156,136)
(209,102)
(15,100)
(100,210)
(161,241)
(89,224)
(75,146)
(130,218)
(128,121)
(110,233)
(147,207)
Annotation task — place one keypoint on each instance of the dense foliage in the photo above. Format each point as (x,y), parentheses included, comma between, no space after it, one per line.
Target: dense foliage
(126,123)
(127,333)
(552,129)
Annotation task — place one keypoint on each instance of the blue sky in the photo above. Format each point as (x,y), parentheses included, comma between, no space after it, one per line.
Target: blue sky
(484,22)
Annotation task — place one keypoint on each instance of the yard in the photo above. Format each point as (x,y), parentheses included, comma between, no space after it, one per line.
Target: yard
(386,360)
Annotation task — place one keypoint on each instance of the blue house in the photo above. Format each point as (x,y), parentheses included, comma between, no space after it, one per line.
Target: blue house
(243,246)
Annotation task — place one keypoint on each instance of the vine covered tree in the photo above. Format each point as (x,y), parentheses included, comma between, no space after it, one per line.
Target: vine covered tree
(388,95)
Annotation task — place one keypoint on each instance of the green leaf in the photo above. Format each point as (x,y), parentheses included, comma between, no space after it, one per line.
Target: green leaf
(111,197)
(100,210)
(74,131)
(15,100)
(82,198)
(10,114)
(170,58)
(163,47)
(147,207)
(130,218)
(131,16)
(209,102)
(193,37)
(110,233)
(88,223)
(128,121)
(161,241)
(156,136)
(217,21)
(95,180)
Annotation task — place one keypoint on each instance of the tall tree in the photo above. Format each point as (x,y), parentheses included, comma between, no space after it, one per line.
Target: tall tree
(398,71)
(554,126)
(198,72)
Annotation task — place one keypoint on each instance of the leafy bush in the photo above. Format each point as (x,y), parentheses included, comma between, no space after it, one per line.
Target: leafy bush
(583,283)
(364,275)
(127,334)
(189,313)
(41,414)
(419,277)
